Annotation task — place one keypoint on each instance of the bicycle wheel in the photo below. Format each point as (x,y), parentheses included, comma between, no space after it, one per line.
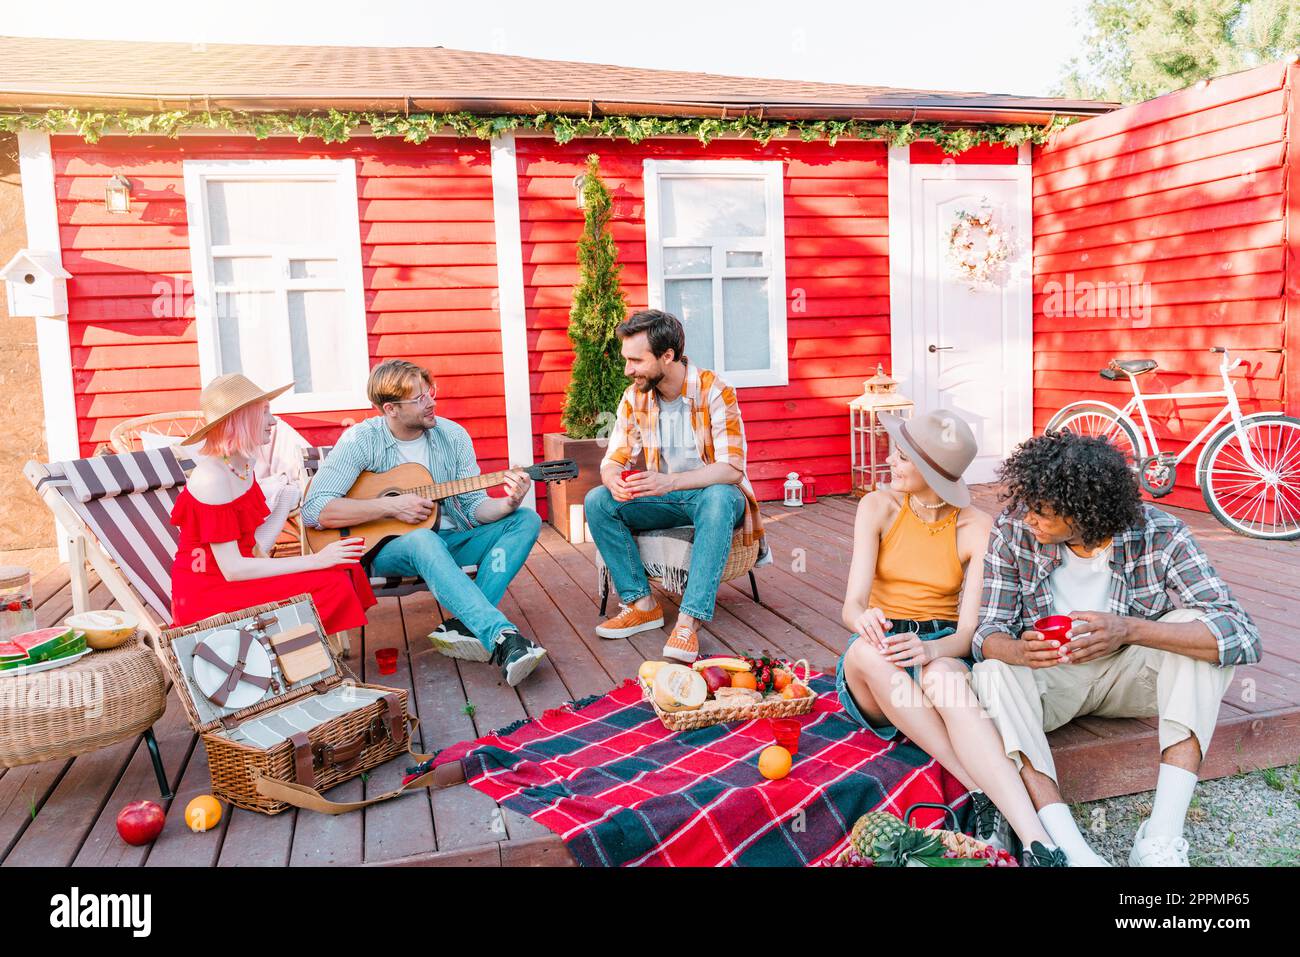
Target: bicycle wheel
(1263,502)
(1100,421)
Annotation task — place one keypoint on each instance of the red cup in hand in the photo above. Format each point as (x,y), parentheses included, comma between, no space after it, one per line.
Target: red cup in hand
(629,473)
(1055,628)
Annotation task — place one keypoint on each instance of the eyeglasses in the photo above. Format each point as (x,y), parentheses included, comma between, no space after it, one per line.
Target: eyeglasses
(427,398)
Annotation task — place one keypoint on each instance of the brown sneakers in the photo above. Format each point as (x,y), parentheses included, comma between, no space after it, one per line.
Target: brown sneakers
(682,645)
(631,621)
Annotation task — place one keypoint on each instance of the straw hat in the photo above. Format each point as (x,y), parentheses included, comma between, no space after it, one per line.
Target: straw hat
(941,446)
(223,397)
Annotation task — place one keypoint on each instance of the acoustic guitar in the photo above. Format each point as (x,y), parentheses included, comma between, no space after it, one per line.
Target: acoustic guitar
(412,478)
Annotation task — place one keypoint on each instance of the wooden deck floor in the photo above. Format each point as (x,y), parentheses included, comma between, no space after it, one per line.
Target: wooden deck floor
(62,812)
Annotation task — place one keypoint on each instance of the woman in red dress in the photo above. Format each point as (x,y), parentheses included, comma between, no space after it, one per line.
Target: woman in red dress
(218,568)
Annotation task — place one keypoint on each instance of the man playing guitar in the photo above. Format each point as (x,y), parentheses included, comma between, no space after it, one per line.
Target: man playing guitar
(495,534)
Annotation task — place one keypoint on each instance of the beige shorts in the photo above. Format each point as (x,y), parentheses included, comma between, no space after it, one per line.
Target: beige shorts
(1135,682)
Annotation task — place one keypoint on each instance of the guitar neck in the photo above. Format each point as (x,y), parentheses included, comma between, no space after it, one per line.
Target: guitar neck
(441,490)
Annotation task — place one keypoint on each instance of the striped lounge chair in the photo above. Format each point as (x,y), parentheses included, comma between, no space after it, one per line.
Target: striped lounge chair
(383,586)
(115,510)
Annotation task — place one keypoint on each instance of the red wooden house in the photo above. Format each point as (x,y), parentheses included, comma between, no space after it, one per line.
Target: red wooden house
(798,265)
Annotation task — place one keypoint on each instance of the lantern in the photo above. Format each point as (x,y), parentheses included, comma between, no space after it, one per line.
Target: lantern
(793,491)
(810,490)
(117,194)
(869,442)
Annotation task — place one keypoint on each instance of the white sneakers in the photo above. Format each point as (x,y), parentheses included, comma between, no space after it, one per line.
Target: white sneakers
(1157,851)
(455,640)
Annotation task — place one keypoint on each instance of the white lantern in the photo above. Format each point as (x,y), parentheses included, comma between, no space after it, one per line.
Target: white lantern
(117,194)
(793,491)
(869,444)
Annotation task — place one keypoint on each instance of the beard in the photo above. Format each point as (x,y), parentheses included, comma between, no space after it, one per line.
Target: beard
(651,383)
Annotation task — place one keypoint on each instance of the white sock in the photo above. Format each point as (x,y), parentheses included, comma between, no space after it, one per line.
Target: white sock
(1059,824)
(1174,789)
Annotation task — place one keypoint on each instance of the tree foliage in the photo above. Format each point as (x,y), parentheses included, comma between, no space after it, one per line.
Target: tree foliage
(1138,49)
(597,381)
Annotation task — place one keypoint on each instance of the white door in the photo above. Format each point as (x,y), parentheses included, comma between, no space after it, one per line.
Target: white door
(958,344)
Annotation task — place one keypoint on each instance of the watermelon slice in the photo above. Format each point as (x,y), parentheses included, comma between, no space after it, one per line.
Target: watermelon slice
(44,643)
(9,651)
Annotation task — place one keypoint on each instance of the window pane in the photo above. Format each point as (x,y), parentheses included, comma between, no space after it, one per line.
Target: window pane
(713,206)
(745,324)
(691,301)
(242,322)
(680,260)
(321,359)
(276,212)
(313,268)
(744,259)
(257,272)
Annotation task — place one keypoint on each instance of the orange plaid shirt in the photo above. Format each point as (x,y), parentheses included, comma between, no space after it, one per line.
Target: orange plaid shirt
(719,432)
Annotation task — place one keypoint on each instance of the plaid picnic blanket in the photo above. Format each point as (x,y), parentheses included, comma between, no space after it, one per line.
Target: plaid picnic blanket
(621,789)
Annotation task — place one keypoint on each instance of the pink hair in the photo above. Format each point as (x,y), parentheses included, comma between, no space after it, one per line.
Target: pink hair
(241,434)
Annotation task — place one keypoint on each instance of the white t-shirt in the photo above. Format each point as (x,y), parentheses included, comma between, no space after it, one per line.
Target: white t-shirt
(417,450)
(1081,584)
(678,450)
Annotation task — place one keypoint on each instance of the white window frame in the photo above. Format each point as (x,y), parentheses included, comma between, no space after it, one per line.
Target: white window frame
(772,247)
(341,172)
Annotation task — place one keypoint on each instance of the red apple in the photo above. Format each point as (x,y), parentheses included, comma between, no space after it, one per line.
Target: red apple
(140,822)
(716,678)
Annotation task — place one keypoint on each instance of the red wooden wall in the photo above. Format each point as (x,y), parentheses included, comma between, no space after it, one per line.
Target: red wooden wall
(428,260)
(837,286)
(1186,194)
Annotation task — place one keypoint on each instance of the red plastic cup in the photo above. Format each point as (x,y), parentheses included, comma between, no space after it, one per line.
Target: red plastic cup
(785,731)
(1055,628)
(386,658)
(628,473)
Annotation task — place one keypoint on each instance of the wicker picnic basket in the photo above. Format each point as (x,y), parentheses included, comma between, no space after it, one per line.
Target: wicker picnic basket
(953,840)
(334,751)
(49,715)
(770,707)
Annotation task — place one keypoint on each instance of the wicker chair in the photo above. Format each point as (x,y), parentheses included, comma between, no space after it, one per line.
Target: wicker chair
(740,561)
(125,436)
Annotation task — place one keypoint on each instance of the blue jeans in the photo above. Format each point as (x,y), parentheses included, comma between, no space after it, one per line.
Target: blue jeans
(714,510)
(498,549)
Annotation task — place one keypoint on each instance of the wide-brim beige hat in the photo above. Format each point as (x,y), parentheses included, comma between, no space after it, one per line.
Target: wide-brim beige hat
(941,446)
(223,397)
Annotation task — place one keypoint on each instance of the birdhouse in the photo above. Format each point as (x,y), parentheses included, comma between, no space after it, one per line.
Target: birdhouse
(869,442)
(36,284)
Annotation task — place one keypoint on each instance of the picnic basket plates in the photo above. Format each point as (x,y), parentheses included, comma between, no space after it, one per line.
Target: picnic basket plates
(772,706)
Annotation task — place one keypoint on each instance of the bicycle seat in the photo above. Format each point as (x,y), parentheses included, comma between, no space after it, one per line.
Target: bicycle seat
(1129,366)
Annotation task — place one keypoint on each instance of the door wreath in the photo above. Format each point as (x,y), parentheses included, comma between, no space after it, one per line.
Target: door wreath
(978,248)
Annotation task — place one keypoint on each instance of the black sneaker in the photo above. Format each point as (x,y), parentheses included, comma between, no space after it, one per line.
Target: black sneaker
(517,656)
(990,825)
(1037,855)
(454,639)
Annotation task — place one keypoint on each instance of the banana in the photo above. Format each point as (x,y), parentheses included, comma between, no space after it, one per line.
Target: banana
(726,664)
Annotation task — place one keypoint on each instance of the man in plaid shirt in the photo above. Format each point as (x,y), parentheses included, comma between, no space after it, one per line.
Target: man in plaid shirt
(687,422)
(1077,540)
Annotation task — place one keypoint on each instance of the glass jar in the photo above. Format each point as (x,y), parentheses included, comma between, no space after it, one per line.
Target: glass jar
(17,614)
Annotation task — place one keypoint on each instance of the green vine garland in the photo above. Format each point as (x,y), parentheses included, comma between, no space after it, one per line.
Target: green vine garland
(337,127)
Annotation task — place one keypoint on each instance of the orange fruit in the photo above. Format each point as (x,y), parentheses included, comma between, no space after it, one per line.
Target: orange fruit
(795,690)
(203,813)
(774,762)
(744,679)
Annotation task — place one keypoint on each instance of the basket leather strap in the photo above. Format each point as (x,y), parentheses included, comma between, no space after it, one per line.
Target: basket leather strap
(236,673)
(302,762)
(310,799)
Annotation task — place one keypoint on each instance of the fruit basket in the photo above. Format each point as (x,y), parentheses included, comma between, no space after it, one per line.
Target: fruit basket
(713,711)
(879,839)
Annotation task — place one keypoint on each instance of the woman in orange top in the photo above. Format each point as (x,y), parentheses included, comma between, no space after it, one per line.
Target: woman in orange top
(913,603)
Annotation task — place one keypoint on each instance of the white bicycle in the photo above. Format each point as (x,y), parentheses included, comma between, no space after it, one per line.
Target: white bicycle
(1248,471)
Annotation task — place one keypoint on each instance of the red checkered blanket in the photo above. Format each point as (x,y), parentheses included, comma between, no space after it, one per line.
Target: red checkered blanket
(621,789)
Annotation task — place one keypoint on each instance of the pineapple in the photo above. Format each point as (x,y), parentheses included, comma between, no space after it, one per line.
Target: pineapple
(875,826)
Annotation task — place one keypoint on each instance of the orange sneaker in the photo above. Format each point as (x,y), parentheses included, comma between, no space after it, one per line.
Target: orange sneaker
(682,645)
(631,621)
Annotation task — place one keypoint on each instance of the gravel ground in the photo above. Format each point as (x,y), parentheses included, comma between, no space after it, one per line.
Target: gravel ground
(1248,819)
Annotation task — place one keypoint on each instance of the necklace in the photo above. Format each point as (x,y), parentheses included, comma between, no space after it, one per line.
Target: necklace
(938,525)
(242,476)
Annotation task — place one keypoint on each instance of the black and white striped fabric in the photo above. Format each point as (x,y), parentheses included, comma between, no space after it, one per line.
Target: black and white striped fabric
(126,501)
(106,476)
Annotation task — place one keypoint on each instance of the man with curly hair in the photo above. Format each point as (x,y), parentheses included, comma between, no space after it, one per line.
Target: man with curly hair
(1076,539)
